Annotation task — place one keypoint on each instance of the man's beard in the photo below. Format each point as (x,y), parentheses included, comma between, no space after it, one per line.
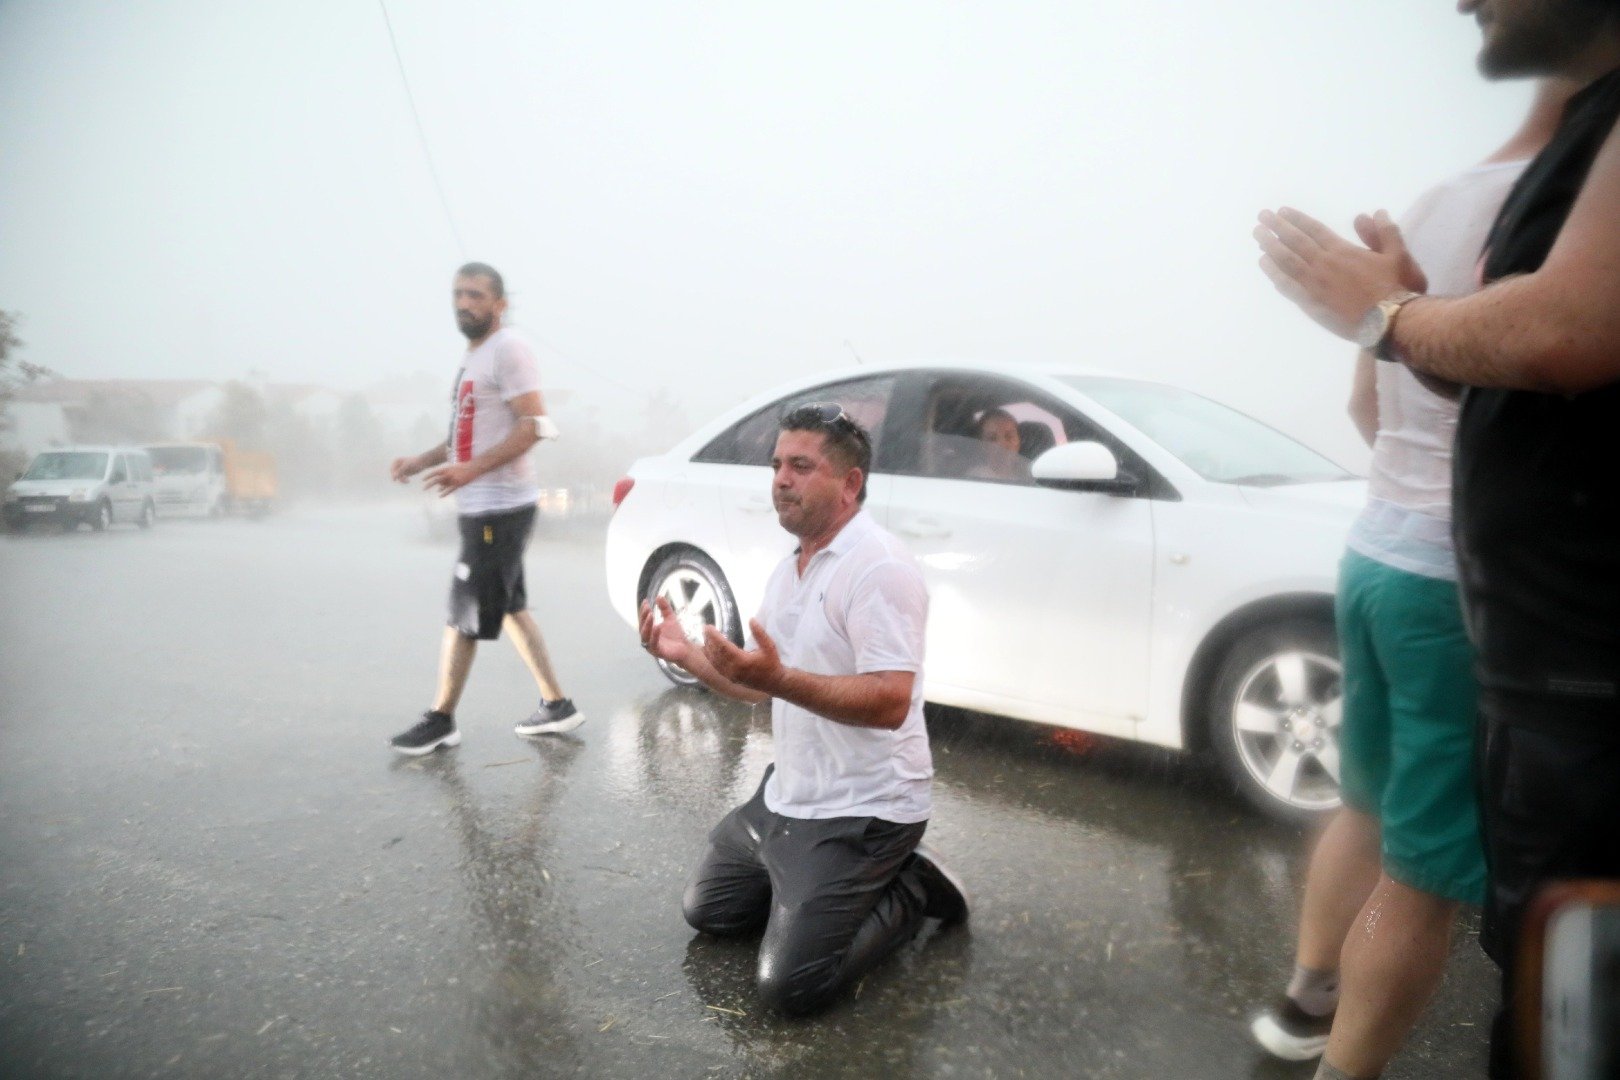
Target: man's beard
(473,329)
(1542,41)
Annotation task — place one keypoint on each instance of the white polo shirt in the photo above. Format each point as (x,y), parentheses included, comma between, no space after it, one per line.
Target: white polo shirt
(861,606)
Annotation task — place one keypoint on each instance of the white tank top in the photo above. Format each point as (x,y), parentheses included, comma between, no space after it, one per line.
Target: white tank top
(1445,230)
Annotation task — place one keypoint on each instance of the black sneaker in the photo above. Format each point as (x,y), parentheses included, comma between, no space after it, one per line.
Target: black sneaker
(552,718)
(433,731)
(945,899)
(1289,1032)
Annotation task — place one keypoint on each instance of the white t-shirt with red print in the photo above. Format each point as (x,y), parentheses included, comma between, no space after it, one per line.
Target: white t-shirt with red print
(494,373)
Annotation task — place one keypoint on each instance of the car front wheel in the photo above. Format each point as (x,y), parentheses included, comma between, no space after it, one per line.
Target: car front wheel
(103,517)
(1275,712)
(697,591)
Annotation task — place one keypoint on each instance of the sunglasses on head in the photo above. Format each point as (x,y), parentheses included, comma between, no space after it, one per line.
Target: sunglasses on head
(828,413)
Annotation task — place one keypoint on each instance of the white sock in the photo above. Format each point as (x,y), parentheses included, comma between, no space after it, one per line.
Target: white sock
(1317,992)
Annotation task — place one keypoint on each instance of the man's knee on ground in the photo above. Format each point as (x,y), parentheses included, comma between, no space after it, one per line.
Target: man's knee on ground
(708,914)
(795,993)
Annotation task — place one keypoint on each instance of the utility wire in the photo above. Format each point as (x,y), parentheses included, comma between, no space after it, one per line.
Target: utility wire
(421,133)
(450,219)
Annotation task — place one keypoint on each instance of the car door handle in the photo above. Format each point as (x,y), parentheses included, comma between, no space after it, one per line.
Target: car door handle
(755,504)
(923,528)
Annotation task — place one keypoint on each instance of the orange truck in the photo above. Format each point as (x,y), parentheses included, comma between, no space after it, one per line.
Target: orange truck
(250,479)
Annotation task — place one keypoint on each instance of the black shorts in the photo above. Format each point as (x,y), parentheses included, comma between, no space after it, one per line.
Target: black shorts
(488,582)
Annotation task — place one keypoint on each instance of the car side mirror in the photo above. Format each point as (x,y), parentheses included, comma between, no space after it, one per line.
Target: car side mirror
(1083,466)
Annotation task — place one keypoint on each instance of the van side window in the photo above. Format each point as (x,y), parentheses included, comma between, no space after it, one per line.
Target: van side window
(120,473)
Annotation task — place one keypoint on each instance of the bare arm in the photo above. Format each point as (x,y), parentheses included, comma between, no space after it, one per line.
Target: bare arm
(877,699)
(1364,397)
(406,467)
(880,699)
(518,442)
(1556,330)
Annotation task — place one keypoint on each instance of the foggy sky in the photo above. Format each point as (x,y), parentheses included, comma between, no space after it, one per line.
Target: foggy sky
(713,197)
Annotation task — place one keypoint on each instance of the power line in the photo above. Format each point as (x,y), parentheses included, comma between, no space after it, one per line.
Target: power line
(421,132)
(580,364)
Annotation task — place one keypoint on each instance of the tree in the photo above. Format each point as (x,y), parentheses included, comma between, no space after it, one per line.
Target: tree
(242,416)
(14,372)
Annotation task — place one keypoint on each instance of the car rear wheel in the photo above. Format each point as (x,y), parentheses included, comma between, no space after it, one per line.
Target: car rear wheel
(148,514)
(1274,714)
(697,590)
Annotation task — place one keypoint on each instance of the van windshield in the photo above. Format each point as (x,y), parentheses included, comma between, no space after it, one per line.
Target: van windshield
(67,465)
(178,460)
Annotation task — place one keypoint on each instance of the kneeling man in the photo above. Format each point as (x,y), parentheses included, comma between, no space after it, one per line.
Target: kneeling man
(825,855)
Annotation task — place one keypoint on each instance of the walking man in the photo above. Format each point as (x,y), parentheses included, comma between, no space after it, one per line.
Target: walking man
(1536,495)
(1404,851)
(497,417)
(825,855)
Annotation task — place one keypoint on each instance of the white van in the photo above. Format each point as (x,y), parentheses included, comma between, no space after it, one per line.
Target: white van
(91,485)
(189,478)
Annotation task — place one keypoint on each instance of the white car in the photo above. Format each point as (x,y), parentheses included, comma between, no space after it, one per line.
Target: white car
(1150,565)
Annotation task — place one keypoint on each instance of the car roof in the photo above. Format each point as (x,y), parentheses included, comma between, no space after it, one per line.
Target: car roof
(992,367)
(96,448)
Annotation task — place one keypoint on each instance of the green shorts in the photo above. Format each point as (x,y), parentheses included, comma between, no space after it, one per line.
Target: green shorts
(1407,742)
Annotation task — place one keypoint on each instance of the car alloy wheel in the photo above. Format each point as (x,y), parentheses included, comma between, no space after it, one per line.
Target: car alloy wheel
(103,516)
(148,513)
(1276,713)
(700,597)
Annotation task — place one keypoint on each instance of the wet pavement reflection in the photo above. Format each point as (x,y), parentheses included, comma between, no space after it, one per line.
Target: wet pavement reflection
(214,866)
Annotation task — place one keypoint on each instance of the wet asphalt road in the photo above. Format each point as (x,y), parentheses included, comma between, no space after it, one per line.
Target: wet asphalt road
(214,866)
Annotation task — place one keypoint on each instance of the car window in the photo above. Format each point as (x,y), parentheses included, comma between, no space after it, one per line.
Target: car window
(1215,441)
(989,429)
(119,472)
(751,440)
(140,466)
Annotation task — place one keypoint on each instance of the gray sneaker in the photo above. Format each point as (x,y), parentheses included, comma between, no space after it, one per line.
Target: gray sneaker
(552,718)
(430,733)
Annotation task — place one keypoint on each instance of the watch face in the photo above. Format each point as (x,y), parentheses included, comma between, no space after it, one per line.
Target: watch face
(1372,327)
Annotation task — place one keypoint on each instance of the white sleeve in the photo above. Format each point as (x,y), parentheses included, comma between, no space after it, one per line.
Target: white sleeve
(887,621)
(516,371)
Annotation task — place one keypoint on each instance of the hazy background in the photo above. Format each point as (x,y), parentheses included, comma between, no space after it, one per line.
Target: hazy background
(708,198)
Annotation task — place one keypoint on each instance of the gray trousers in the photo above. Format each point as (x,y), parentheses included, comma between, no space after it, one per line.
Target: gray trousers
(834,895)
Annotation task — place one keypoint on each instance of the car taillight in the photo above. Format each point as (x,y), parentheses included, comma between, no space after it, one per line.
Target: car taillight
(621,489)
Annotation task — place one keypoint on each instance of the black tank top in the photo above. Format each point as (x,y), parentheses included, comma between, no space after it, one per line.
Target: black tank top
(1536,477)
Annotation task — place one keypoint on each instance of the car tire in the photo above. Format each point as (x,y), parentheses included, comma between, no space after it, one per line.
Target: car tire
(103,516)
(148,515)
(1274,712)
(698,591)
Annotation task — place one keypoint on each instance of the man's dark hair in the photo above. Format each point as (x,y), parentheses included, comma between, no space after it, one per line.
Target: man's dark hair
(846,441)
(478,269)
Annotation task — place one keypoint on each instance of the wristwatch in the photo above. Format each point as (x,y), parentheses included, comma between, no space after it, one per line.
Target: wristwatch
(1374,331)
